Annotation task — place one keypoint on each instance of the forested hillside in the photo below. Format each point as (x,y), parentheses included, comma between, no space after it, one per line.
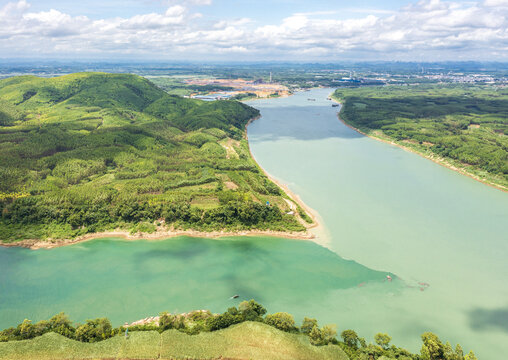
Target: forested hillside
(92,151)
(465,125)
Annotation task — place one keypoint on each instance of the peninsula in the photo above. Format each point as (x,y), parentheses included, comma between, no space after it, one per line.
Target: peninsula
(94,154)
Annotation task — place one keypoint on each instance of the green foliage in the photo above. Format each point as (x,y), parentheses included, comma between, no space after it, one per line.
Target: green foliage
(282,321)
(350,338)
(382,340)
(93,152)
(251,310)
(250,313)
(470,356)
(466,125)
(225,320)
(94,330)
(168,321)
(61,324)
(323,336)
(434,347)
(307,325)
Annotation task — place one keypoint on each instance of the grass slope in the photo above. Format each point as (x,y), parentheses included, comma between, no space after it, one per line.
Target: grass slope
(247,340)
(91,152)
(462,126)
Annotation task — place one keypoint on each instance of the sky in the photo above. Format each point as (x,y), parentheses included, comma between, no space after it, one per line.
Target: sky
(261,30)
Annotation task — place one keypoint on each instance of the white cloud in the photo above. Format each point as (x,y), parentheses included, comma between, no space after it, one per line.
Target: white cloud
(428,29)
(496,2)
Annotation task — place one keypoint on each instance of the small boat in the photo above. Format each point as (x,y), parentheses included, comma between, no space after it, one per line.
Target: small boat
(235,297)
(311,99)
(335,105)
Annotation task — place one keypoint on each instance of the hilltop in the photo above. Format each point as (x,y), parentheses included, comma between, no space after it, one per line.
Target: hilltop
(91,152)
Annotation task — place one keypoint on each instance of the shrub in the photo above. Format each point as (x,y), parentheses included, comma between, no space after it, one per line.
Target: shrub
(251,310)
(282,321)
(307,325)
(322,336)
(350,338)
(94,330)
(168,321)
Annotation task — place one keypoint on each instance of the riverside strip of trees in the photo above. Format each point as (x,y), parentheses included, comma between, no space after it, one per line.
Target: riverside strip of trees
(203,321)
(466,125)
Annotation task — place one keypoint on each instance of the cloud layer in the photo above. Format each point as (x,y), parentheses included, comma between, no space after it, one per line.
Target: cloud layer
(426,30)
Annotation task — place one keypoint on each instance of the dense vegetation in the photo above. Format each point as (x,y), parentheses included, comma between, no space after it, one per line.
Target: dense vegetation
(465,125)
(202,321)
(91,151)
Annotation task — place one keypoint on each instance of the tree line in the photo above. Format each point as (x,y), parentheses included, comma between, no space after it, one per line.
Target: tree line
(199,321)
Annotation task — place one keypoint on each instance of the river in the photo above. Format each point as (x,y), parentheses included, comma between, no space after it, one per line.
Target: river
(440,235)
(390,209)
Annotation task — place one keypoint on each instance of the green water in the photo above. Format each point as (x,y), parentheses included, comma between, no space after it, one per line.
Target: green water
(393,210)
(389,210)
(129,280)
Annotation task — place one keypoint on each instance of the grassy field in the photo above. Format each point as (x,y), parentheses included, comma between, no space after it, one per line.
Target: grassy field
(247,340)
(92,152)
(462,126)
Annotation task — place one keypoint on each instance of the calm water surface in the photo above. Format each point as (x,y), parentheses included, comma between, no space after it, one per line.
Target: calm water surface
(393,210)
(390,211)
(129,280)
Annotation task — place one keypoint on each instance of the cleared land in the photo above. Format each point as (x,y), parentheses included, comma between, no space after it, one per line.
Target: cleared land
(247,340)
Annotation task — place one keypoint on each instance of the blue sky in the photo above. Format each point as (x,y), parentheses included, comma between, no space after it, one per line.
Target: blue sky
(262,10)
(319,30)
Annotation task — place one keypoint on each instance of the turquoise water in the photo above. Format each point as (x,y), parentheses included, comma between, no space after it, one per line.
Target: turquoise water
(393,210)
(129,280)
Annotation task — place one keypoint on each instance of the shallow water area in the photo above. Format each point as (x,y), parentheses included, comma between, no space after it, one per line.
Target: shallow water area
(128,280)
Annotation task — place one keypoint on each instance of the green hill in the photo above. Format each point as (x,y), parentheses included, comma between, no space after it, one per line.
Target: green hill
(90,152)
(243,332)
(248,340)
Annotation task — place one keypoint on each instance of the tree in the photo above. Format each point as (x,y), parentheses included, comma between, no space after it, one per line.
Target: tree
(222,321)
(459,352)
(470,356)
(282,321)
(322,336)
(425,354)
(252,310)
(315,336)
(382,340)
(434,345)
(307,325)
(329,333)
(94,330)
(350,338)
(372,351)
(61,324)
(448,352)
(26,329)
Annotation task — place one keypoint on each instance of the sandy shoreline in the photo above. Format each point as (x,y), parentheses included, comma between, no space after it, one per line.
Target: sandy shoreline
(439,161)
(310,212)
(165,233)
(35,244)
